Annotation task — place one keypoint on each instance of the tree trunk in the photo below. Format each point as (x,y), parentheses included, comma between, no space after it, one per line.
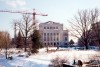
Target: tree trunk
(6,52)
(86,44)
(99,44)
(25,45)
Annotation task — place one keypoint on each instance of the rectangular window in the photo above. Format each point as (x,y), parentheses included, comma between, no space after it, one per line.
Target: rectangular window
(56,27)
(44,38)
(47,27)
(57,39)
(54,33)
(44,34)
(51,38)
(65,38)
(45,44)
(65,34)
(48,34)
(47,38)
(54,38)
(57,43)
(50,27)
(44,27)
(51,43)
(57,34)
(65,43)
(48,43)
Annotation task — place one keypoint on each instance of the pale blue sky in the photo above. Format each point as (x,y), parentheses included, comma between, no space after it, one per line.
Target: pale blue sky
(57,10)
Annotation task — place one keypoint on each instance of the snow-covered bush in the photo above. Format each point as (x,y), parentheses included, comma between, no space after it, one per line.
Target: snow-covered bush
(34,51)
(58,62)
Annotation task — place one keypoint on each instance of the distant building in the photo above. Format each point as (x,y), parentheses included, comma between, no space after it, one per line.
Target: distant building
(52,34)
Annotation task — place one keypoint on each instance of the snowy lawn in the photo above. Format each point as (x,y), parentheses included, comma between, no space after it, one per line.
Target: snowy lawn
(43,59)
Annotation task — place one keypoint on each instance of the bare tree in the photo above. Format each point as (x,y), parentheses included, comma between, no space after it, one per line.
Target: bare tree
(96,34)
(5,41)
(25,26)
(81,24)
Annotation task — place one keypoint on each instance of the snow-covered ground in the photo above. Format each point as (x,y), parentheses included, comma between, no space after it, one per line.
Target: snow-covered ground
(43,59)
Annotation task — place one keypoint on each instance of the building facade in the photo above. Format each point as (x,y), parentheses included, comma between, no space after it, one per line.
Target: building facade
(52,34)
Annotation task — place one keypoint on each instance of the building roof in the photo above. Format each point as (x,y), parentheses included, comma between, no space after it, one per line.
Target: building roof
(50,22)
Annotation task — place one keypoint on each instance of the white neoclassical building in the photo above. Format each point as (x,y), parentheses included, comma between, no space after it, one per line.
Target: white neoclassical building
(52,34)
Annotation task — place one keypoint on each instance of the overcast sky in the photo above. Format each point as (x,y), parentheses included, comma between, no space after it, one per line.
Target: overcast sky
(57,10)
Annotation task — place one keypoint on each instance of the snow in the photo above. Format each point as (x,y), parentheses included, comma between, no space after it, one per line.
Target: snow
(43,59)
